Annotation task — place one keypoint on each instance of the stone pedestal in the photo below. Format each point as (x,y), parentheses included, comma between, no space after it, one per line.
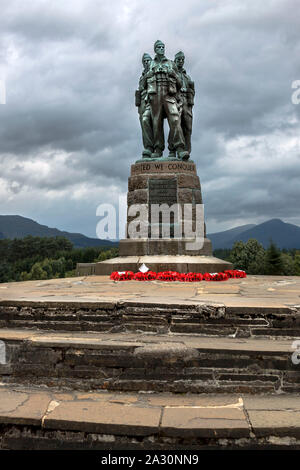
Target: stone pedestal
(164,182)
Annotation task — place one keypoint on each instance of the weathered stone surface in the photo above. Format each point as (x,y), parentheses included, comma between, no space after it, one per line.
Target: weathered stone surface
(197,196)
(97,303)
(139,196)
(200,328)
(104,418)
(166,352)
(204,422)
(183,180)
(161,250)
(40,356)
(188,181)
(156,363)
(274,403)
(137,182)
(275,422)
(203,401)
(101,420)
(185,196)
(23,408)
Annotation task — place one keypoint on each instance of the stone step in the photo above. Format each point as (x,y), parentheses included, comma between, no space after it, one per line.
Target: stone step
(157,317)
(127,362)
(39,419)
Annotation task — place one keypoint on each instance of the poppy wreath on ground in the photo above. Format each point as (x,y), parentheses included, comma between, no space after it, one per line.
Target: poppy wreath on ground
(139,276)
(235,273)
(175,276)
(191,277)
(150,276)
(122,276)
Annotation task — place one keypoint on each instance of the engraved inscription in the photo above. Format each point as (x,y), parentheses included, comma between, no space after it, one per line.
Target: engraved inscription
(163,167)
(163,191)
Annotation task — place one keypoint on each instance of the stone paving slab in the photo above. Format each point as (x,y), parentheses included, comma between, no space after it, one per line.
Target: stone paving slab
(148,345)
(271,403)
(108,418)
(140,414)
(255,291)
(169,400)
(23,407)
(282,422)
(206,422)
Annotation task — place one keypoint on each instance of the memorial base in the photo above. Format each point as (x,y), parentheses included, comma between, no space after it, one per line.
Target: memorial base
(166,182)
(157,263)
(164,246)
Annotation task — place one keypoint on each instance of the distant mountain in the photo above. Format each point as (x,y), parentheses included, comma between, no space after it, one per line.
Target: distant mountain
(221,238)
(284,235)
(15,226)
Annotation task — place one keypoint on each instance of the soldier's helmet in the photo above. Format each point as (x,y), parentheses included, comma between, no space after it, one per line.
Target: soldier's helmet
(157,43)
(179,54)
(146,56)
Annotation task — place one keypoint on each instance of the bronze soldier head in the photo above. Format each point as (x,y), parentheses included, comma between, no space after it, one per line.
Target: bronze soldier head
(146,60)
(179,60)
(159,48)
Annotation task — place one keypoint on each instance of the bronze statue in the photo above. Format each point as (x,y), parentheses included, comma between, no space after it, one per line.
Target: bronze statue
(165,91)
(185,99)
(144,109)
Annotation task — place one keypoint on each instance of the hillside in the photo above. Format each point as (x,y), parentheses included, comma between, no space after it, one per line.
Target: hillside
(219,239)
(16,226)
(283,234)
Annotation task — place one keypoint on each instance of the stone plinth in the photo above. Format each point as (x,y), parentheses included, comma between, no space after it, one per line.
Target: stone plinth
(180,263)
(163,246)
(165,182)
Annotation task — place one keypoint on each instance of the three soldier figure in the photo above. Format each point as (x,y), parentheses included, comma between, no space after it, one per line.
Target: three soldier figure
(165,91)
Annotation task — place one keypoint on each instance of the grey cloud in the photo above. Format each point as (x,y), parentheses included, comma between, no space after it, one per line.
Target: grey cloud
(72,71)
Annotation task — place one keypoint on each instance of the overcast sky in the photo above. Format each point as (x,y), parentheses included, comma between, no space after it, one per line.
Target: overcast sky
(70,131)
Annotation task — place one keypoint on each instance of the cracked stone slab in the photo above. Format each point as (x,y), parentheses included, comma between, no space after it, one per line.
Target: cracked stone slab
(23,408)
(275,422)
(104,418)
(205,422)
(135,414)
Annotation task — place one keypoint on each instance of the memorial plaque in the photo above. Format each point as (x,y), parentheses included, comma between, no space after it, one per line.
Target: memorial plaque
(163,191)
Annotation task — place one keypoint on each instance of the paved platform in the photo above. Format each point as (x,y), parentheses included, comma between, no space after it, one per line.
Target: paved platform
(40,418)
(103,379)
(253,291)
(164,363)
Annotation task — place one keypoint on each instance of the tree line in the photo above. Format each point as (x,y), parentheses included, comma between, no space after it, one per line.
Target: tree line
(253,258)
(32,258)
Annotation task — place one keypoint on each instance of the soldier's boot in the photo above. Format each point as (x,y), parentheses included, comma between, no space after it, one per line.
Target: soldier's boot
(172,154)
(147,153)
(157,153)
(183,155)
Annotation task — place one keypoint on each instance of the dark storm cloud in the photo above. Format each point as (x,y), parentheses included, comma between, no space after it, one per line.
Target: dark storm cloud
(70,131)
